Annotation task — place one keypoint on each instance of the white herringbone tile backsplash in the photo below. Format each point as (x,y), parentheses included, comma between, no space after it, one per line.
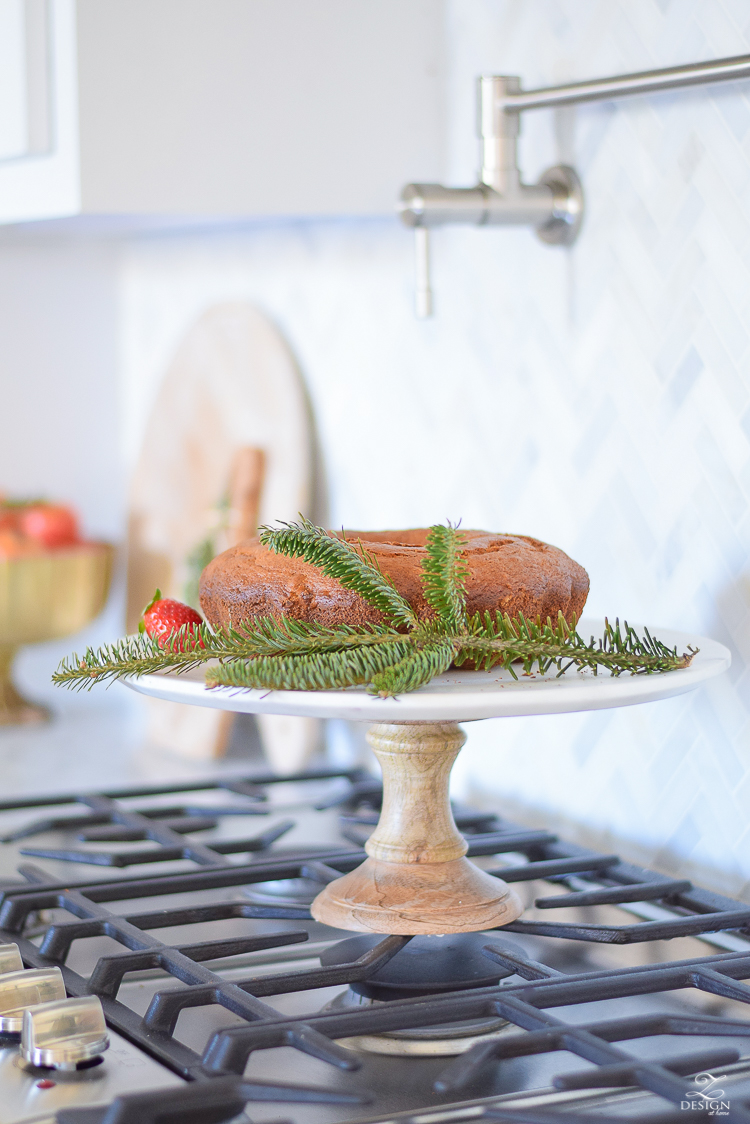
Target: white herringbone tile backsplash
(597,398)
(650,355)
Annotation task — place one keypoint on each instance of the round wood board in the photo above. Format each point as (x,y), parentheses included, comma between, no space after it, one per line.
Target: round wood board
(460,696)
(232,383)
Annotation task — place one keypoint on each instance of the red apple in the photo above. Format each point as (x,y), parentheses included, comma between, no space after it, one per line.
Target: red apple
(52,525)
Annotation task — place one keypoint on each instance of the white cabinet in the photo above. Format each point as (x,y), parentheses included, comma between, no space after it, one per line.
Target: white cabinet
(217,107)
(25,124)
(38,126)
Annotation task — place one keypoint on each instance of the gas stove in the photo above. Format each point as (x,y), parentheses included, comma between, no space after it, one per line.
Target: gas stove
(159,963)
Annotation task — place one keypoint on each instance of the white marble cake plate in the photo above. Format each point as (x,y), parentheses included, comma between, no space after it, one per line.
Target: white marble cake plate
(416,878)
(460,696)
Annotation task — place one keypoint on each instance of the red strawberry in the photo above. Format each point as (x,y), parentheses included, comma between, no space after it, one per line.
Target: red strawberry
(163,617)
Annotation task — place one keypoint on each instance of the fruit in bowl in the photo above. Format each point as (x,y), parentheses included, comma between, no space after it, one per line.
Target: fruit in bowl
(34,526)
(52,583)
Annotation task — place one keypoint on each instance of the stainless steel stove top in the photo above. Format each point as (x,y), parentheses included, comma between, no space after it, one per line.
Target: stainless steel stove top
(185,910)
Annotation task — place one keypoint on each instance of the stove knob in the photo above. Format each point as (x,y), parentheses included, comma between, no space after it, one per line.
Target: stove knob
(19,990)
(62,1034)
(10,958)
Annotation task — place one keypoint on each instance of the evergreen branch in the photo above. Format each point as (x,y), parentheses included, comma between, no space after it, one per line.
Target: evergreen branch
(501,640)
(135,655)
(444,574)
(352,566)
(196,563)
(271,636)
(280,653)
(311,671)
(415,669)
(266,636)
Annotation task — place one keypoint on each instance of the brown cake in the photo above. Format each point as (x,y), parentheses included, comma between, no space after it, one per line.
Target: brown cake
(512,573)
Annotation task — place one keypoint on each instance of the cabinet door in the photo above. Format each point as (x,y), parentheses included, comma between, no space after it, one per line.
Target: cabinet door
(38,127)
(14,115)
(257,107)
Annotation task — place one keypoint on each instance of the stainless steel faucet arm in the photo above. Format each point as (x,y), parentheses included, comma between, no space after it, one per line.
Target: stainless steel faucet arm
(625,85)
(554,205)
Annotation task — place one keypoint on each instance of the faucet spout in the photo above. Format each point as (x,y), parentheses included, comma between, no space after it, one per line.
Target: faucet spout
(553,206)
(431,204)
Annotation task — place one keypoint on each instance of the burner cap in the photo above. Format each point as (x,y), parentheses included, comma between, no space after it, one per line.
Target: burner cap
(426,965)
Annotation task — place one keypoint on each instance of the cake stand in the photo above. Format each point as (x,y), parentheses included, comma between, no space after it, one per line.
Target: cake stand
(416,879)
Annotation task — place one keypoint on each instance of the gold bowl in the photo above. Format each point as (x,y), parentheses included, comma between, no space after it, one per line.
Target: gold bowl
(45,597)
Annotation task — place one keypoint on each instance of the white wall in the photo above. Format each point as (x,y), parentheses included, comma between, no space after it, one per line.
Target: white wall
(59,411)
(58,340)
(599,399)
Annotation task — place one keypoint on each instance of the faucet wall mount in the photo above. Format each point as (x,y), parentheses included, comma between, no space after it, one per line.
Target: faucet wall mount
(554,206)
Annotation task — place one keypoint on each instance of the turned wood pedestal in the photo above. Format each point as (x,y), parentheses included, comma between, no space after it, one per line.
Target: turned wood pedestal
(416,878)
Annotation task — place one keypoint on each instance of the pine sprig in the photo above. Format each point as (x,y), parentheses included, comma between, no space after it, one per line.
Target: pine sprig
(132,655)
(280,653)
(353,566)
(417,667)
(265,637)
(501,640)
(310,672)
(272,636)
(444,576)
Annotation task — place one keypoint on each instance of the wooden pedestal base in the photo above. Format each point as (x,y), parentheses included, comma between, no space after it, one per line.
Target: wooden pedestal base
(416,879)
(418,898)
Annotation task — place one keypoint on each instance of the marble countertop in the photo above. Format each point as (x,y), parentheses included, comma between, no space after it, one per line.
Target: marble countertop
(96,742)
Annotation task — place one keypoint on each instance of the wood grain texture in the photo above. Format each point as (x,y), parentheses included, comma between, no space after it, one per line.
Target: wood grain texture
(416,824)
(417,898)
(232,384)
(231,419)
(245,491)
(179,727)
(416,878)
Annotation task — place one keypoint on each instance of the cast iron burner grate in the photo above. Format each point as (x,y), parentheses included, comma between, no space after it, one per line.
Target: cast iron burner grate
(218,1089)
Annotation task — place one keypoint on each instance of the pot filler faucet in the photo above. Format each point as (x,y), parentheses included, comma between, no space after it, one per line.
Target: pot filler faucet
(553,206)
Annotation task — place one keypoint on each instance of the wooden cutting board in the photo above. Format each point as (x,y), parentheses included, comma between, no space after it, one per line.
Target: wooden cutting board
(232,385)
